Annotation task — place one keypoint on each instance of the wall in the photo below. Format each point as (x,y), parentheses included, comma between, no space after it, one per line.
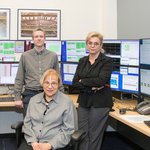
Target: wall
(78,17)
(133,19)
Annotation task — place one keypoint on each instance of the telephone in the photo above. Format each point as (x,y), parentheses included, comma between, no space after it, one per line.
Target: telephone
(143,108)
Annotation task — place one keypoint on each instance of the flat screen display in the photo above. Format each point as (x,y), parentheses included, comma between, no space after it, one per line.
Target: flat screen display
(8,73)
(54,46)
(112,48)
(145,81)
(68,71)
(10,51)
(123,52)
(130,50)
(145,53)
(73,50)
(126,80)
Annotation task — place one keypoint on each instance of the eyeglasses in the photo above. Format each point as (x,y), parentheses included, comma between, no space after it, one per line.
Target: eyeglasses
(93,44)
(53,83)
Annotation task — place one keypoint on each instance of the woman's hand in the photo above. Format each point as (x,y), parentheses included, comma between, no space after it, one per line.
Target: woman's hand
(41,146)
(35,146)
(45,146)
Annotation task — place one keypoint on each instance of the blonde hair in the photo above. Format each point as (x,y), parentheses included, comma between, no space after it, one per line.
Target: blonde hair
(94,34)
(98,35)
(47,73)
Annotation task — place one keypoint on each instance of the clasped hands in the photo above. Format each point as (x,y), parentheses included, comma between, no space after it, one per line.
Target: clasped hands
(41,146)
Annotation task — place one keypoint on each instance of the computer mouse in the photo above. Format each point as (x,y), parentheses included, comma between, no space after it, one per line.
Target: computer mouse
(122,111)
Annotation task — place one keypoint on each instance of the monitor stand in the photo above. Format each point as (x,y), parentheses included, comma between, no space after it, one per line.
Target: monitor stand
(121,95)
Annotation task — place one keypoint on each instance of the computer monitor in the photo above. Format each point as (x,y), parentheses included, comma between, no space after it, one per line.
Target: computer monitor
(130,50)
(145,82)
(8,73)
(144,69)
(129,79)
(68,71)
(54,46)
(145,53)
(126,80)
(123,52)
(73,50)
(112,49)
(11,50)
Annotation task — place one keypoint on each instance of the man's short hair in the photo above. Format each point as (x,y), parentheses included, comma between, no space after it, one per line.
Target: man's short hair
(38,29)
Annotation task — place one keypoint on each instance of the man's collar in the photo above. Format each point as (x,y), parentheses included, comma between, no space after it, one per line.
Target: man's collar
(38,52)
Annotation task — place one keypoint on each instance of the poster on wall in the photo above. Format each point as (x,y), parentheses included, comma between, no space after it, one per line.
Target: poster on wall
(4,23)
(46,19)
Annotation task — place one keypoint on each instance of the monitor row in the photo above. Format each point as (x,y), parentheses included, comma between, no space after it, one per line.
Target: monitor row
(131,61)
(127,79)
(123,52)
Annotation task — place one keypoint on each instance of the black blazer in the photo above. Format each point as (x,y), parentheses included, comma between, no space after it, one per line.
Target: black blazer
(95,75)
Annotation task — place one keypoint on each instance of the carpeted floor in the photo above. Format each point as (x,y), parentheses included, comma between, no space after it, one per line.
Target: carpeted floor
(114,141)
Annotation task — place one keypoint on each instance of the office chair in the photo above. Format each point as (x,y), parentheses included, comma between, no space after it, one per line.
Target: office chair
(76,137)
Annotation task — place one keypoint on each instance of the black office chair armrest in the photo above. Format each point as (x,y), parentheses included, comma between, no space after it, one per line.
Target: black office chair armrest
(76,139)
(78,135)
(17,125)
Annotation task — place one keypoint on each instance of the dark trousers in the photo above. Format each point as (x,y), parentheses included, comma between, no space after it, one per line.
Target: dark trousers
(25,146)
(93,122)
(27,94)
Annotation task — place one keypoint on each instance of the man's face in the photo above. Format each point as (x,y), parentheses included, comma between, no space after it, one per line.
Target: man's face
(50,86)
(38,38)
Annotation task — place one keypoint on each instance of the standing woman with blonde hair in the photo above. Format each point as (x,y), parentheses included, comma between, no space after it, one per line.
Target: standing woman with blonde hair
(92,78)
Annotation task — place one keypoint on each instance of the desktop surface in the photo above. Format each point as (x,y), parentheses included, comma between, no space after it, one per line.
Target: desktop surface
(141,127)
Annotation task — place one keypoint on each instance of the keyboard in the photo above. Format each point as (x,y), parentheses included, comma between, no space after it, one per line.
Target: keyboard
(6,98)
(147,123)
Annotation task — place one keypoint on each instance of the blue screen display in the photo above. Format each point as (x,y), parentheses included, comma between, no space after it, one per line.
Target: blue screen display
(125,80)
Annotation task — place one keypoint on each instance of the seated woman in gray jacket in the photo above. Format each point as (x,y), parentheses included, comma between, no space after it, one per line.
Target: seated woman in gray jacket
(50,118)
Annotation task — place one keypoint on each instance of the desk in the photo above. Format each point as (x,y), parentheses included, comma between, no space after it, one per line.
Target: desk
(12,104)
(141,127)
(74,98)
(138,133)
(7,104)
